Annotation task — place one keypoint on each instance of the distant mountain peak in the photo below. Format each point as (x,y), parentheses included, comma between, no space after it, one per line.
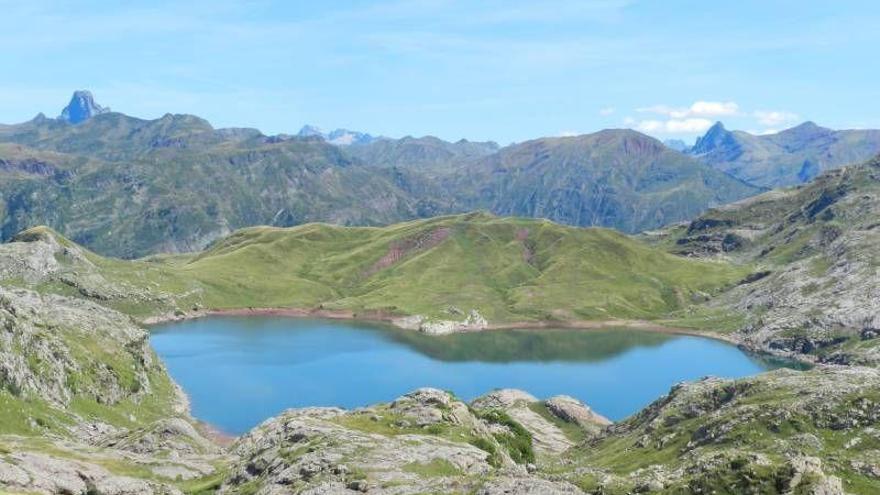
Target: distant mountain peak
(309,131)
(82,107)
(339,137)
(716,137)
(677,145)
(808,128)
(807,125)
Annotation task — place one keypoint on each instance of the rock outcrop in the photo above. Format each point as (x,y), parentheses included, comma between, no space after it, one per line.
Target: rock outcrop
(815,293)
(574,411)
(46,350)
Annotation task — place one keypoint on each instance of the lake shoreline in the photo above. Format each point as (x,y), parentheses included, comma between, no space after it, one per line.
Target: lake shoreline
(397,321)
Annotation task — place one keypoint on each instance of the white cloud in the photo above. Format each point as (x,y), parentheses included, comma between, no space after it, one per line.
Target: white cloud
(607,111)
(698,109)
(698,117)
(762,132)
(713,109)
(569,134)
(774,117)
(675,126)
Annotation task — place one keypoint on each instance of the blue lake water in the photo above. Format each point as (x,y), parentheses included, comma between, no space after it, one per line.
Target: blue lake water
(239,371)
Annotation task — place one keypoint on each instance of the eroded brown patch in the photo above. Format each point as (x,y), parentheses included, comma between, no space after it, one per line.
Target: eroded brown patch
(403,248)
(522,235)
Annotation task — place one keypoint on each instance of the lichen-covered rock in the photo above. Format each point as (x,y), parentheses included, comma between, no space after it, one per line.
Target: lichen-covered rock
(546,436)
(166,435)
(437,326)
(40,473)
(714,433)
(572,410)
(513,485)
(53,348)
(313,451)
(504,398)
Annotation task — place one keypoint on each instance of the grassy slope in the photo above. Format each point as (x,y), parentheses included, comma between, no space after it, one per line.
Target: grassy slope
(508,269)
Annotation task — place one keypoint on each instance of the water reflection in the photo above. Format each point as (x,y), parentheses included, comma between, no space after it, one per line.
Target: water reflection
(239,371)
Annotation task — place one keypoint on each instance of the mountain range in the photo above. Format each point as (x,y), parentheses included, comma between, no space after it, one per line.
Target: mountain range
(790,157)
(131,187)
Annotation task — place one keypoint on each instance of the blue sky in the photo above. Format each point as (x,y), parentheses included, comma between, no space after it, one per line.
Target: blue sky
(502,70)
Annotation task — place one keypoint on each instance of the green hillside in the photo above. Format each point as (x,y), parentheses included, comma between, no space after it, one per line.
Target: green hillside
(506,269)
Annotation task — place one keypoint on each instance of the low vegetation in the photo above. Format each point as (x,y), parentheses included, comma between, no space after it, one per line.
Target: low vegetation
(504,269)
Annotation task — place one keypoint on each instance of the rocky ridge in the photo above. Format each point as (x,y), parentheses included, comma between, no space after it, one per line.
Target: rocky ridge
(86,406)
(815,290)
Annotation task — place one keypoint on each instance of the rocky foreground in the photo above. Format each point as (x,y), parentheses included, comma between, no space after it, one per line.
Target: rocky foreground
(87,409)
(713,436)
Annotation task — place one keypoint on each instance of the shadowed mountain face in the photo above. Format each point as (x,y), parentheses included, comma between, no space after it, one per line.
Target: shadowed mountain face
(792,156)
(130,187)
(427,154)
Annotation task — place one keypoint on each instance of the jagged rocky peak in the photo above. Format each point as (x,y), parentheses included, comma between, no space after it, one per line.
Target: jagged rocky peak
(82,107)
(715,137)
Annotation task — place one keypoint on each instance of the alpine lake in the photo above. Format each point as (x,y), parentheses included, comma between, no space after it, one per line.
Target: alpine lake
(240,371)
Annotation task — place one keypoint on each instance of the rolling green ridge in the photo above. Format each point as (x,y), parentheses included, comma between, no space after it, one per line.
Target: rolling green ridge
(506,269)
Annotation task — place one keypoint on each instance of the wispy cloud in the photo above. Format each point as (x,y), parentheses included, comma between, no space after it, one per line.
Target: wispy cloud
(693,119)
(698,117)
(701,109)
(774,117)
(605,112)
(674,126)
(762,132)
